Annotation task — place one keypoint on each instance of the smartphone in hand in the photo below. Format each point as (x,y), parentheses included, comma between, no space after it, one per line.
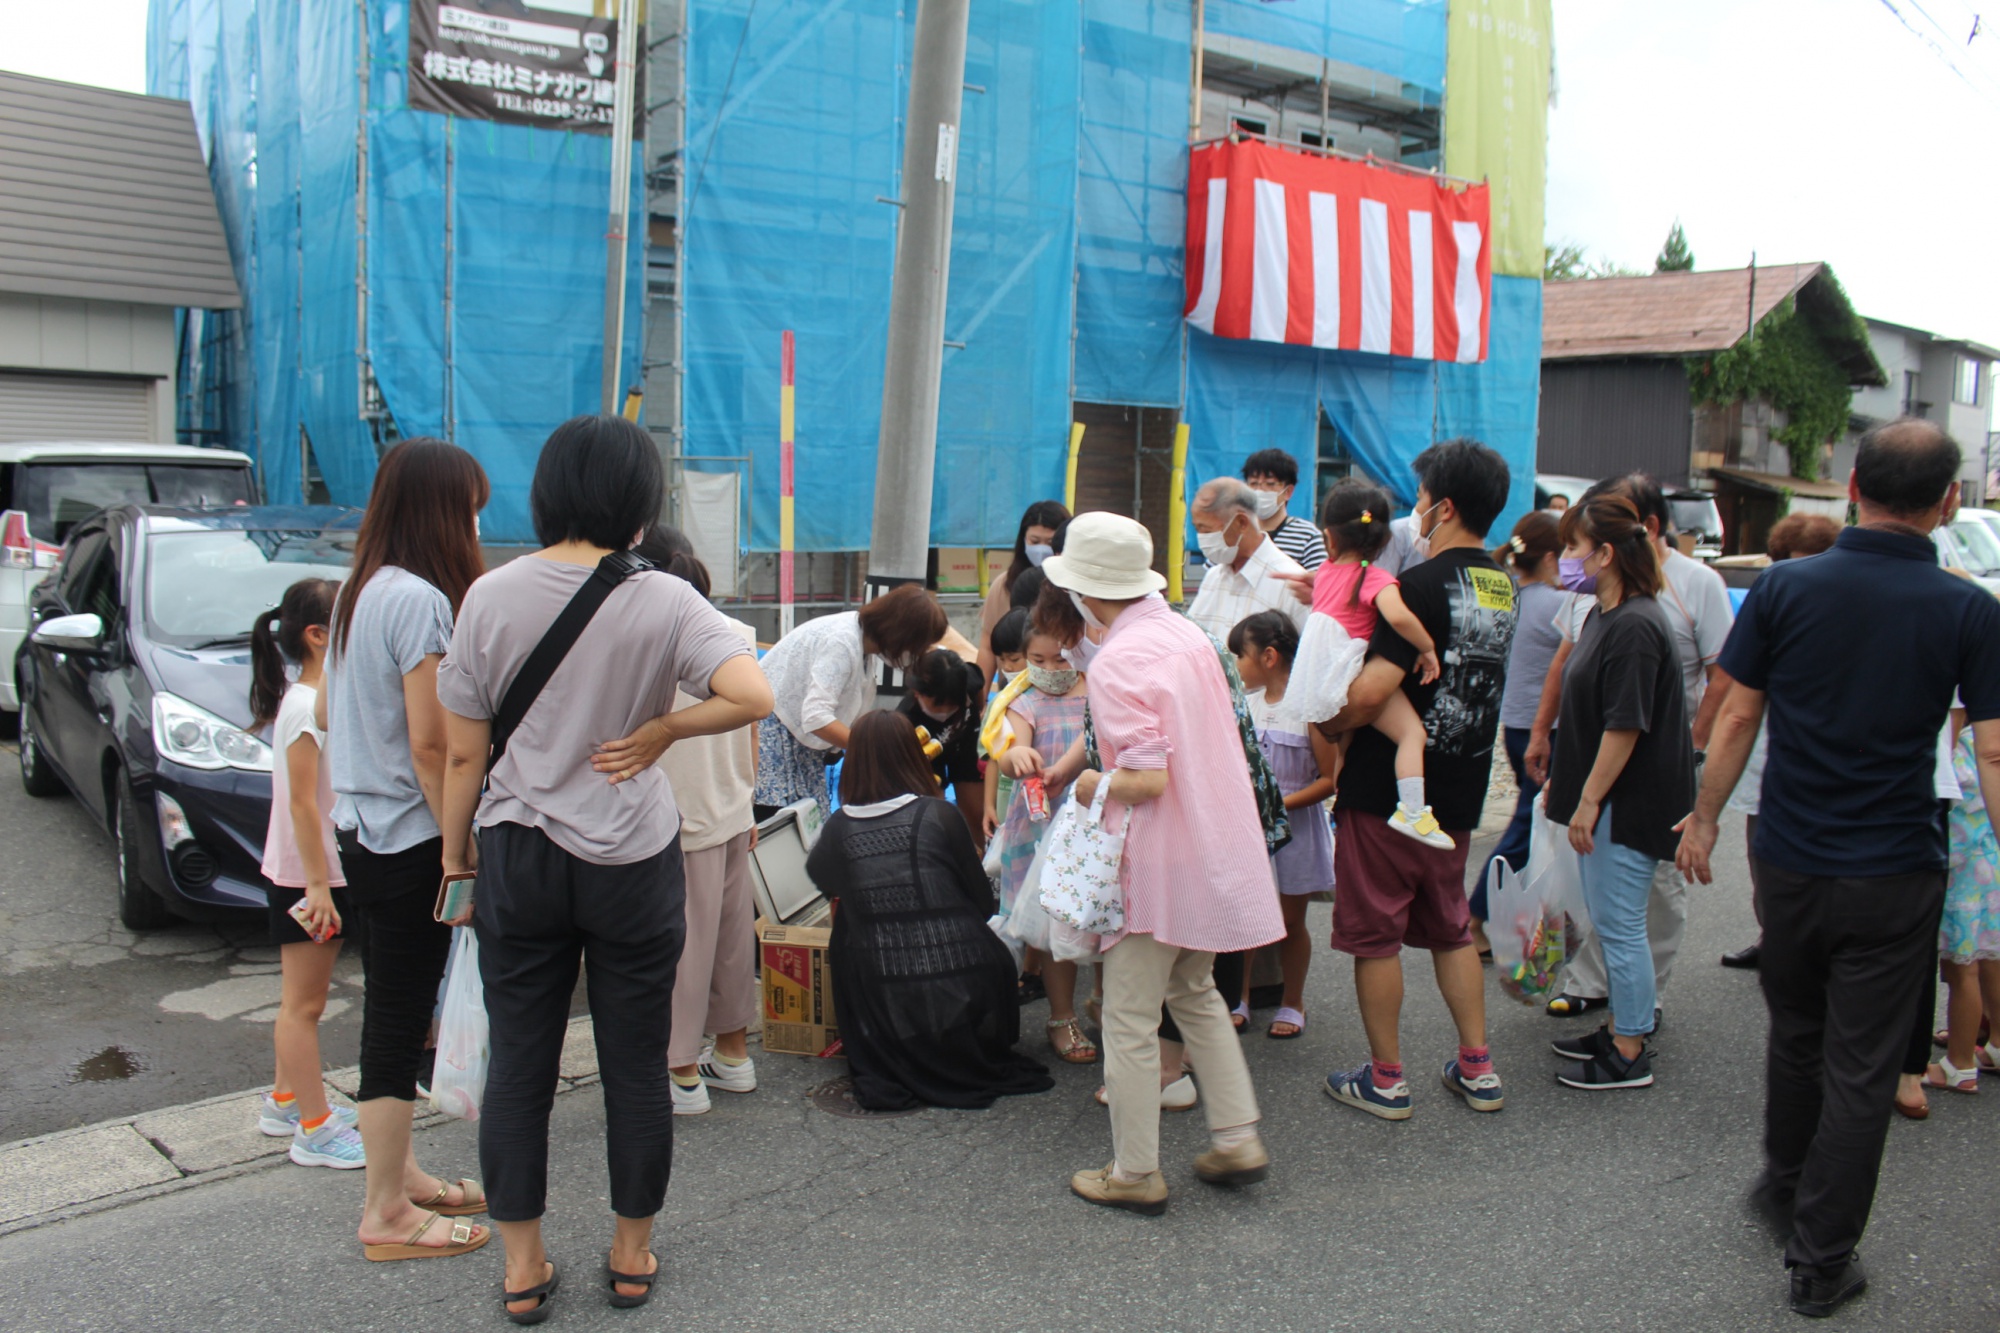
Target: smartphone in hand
(454,898)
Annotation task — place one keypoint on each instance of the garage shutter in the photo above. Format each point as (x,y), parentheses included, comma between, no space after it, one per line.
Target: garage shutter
(74,407)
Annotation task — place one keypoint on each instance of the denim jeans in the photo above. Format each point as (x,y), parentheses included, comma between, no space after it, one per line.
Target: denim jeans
(1617,882)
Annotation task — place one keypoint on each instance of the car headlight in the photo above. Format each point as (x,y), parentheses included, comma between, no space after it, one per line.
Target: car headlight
(198,738)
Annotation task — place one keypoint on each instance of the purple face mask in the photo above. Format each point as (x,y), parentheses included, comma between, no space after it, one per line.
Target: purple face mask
(1572,577)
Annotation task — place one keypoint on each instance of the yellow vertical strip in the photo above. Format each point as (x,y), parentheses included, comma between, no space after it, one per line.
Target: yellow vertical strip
(1177,515)
(1069,478)
(785,414)
(785,523)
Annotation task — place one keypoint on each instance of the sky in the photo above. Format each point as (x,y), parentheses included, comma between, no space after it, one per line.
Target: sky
(1798,129)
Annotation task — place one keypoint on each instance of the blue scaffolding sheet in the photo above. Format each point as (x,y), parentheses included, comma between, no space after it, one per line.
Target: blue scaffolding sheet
(483,277)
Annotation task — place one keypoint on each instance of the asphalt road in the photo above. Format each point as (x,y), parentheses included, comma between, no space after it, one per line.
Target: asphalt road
(100,1022)
(1568,1210)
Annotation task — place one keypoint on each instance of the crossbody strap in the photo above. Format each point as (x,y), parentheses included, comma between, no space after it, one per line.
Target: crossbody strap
(534,674)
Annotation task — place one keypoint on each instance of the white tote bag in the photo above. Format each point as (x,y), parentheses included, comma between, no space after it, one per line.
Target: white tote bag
(1080,878)
(462,1050)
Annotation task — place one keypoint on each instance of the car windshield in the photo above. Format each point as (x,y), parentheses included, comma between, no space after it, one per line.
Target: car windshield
(1980,545)
(56,496)
(1696,514)
(206,588)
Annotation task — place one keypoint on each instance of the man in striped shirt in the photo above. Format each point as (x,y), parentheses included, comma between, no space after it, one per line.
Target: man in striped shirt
(1274,475)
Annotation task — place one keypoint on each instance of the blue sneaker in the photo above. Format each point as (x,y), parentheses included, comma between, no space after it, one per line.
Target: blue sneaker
(333,1144)
(278,1122)
(1357,1088)
(1481,1094)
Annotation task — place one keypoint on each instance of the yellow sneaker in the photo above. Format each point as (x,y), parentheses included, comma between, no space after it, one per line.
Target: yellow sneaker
(1424,828)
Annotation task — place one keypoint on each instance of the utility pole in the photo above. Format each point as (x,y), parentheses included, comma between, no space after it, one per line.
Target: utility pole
(899,546)
(626,75)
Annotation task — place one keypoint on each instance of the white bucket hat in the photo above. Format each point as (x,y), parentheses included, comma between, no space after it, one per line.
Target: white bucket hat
(1105,555)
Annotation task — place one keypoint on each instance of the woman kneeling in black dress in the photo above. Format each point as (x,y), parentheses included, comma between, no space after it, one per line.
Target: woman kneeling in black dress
(925,990)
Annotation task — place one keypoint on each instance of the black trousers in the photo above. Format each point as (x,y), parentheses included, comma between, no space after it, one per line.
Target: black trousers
(403,953)
(1844,962)
(539,912)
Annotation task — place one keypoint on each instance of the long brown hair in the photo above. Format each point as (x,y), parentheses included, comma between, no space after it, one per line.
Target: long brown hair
(1613,521)
(884,761)
(420,517)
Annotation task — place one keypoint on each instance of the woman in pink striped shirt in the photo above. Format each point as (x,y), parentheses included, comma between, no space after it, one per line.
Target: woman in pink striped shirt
(1166,729)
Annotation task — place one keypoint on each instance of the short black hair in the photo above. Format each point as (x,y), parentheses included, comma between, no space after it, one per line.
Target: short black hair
(662,542)
(941,676)
(599,480)
(1010,633)
(1026,588)
(1907,465)
(1474,478)
(1272,463)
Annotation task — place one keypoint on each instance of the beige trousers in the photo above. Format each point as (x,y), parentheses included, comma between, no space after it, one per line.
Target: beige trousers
(1139,974)
(715,988)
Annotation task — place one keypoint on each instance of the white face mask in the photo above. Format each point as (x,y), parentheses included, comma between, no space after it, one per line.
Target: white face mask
(1079,653)
(1037,552)
(1215,549)
(1076,600)
(945,716)
(1267,504)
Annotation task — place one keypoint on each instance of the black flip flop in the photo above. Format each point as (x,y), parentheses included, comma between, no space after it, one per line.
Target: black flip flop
(547,1291)
(620,1301)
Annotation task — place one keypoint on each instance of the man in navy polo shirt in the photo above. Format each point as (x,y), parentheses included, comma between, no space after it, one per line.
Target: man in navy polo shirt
(1857,654)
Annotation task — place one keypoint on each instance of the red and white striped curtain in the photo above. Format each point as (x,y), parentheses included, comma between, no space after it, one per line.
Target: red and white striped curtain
(1295,248)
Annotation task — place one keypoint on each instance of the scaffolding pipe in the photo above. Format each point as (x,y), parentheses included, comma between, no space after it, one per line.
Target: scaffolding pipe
(1177,516)
(620,209)
(1069,473)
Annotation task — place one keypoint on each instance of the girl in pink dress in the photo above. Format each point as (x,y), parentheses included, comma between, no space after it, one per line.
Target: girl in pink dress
(1350,594)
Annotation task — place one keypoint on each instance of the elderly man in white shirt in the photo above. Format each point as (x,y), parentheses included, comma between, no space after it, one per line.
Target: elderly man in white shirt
(1247,573)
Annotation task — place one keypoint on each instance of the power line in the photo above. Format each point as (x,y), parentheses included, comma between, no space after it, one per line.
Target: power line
(1937,48)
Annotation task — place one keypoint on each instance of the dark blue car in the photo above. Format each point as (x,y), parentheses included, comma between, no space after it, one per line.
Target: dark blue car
(135,684)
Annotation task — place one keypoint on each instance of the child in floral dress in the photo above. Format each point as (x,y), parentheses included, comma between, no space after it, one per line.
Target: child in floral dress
(1969,938)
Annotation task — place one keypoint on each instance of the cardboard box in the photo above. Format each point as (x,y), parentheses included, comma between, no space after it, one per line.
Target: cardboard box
(797,984)
(997,563)
(957,569)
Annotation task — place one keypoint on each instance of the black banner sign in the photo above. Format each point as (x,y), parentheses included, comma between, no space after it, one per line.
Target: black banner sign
(549,64)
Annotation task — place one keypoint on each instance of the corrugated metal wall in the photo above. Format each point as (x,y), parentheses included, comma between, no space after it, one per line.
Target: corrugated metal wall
(1602,418)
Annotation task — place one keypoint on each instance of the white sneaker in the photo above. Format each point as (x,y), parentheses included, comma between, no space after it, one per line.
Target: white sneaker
(1423,826)
(333,1144)
(278,1122)
(727,1078)
(690,1101)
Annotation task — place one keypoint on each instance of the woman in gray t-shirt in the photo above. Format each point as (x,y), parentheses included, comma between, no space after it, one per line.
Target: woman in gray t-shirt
(579,836)
(417,553)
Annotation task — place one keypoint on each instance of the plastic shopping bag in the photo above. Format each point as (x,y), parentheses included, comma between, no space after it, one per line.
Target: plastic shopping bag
(1028,921)
(459,1083)
(1527,936)
(1080,885)
(1553,875)
(1070,945)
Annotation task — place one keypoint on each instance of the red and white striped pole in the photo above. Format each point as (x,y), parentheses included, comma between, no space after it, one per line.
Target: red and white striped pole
(785,487)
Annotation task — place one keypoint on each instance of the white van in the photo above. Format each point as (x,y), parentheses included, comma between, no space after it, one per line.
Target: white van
(47,487)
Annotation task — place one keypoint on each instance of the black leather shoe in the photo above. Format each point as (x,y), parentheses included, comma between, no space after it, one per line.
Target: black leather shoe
(1745,959)
(1818,1296)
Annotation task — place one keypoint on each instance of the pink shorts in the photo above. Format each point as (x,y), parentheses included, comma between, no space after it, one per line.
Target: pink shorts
(1390,890)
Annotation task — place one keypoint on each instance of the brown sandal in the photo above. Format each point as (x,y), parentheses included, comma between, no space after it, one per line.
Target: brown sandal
(465,1238)
(1080,1050)
(470,1208)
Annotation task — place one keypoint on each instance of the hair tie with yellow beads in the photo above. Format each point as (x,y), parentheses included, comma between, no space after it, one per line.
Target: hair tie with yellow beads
(1367,516)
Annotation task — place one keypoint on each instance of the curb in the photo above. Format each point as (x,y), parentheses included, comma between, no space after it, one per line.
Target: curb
(54,1177)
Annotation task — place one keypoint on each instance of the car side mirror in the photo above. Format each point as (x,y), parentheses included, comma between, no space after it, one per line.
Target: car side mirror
(83,633)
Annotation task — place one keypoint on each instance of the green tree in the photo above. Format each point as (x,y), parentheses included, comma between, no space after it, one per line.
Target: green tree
(1563,262)
(1674,257)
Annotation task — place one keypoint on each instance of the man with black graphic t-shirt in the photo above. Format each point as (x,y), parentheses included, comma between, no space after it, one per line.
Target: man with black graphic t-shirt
(1391,891)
